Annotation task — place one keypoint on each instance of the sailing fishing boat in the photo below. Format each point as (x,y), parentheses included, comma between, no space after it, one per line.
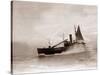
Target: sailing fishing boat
(54,49)
(78,35)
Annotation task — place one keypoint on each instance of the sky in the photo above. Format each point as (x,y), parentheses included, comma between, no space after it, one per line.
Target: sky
(36,23)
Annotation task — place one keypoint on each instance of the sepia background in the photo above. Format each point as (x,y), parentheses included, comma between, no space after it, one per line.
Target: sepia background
(35,23)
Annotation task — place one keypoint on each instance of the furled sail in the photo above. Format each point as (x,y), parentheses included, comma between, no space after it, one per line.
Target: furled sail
(78,34)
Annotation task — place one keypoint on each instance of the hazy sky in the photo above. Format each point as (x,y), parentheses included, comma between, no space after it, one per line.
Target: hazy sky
(35,23)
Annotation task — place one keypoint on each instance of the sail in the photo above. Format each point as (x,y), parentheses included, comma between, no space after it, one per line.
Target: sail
(78,34)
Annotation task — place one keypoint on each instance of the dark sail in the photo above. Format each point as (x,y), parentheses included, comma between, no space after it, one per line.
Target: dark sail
(78,34)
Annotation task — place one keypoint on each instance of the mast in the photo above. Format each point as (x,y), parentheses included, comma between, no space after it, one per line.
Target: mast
(75,28)
(75,33)
(63,36)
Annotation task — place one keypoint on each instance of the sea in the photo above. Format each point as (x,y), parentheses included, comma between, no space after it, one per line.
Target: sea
(75,58)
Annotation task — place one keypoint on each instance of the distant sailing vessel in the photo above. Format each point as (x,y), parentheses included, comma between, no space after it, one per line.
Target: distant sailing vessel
(54,49)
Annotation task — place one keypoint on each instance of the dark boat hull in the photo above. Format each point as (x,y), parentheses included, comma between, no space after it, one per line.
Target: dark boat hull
(49,51)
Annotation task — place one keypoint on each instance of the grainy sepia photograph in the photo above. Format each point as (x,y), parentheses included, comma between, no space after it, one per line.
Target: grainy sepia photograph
(52,37)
